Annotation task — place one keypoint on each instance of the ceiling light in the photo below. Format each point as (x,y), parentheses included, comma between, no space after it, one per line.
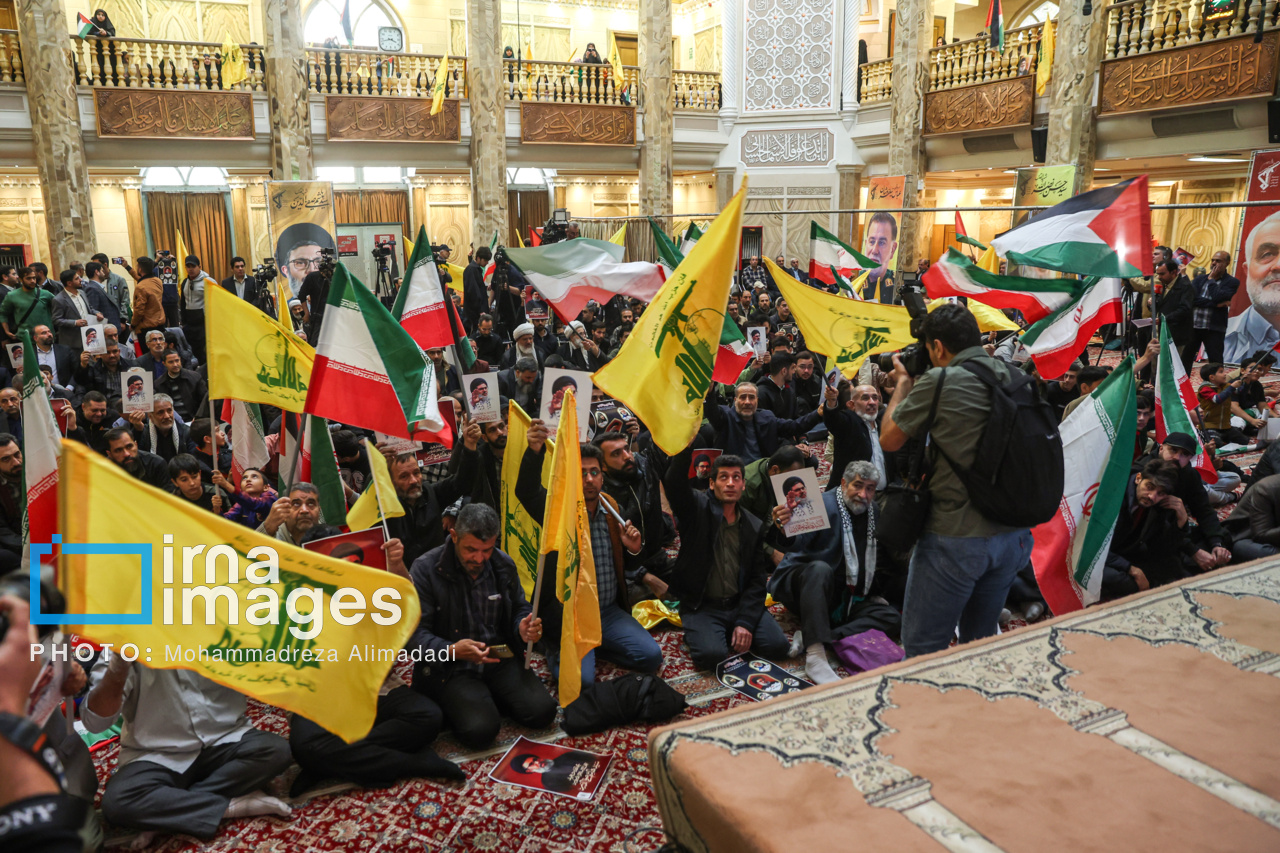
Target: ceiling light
(1208,159)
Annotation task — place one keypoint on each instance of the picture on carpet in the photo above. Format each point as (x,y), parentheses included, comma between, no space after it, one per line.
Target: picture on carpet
(757,678)
(559,770)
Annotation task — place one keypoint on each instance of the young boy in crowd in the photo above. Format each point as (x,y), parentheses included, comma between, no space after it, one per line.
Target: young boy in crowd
(252,501)
(184,470)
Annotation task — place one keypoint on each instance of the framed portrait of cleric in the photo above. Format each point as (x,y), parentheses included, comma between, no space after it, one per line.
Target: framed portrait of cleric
(535,307)
(554,383)
(93,340)
(136,394)
(573,773)
(700,464)
(758,338)
(757,678)
(481,392)
(363,547)
(799,492)
(15,355)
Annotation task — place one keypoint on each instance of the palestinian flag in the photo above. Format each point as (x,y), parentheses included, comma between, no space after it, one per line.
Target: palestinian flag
(691,237)
(830,258)
(962,235)
(41,450)
(1105,232)
(1055,341)
(420,306)
(535,236)
(1071,548)
(570,273)
(1175,401)
(1036,298)
(248,438)
(84,26)
(462,348)
(368,371)
(488,268)
(995,26)
(346,23)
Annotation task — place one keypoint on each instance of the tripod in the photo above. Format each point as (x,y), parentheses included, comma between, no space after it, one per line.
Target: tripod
(382,286)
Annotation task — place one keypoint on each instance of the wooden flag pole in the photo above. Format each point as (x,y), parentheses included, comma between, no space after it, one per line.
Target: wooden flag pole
(537,595)
(377,493)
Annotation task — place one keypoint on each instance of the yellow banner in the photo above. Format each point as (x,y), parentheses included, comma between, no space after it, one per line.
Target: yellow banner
(620,236)
(379,499)
(289,627)
(521,532)
(251,356)
(437,88)
(989,319)
(846,330)
(664,369)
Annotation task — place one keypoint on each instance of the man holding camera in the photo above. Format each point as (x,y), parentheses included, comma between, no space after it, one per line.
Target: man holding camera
(964,563)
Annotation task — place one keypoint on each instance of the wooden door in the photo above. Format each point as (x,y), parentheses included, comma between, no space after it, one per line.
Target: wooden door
(8,15)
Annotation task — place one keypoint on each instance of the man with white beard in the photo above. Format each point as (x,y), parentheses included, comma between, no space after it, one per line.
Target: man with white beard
(827,580)
(1258,327)
(850,415)
(578,350)
(524,347)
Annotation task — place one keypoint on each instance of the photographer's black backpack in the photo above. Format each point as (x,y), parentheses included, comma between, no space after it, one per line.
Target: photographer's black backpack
(1017,474)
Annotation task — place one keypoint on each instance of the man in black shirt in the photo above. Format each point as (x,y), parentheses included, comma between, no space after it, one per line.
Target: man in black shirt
(475,295)
(314,294)
(489,346)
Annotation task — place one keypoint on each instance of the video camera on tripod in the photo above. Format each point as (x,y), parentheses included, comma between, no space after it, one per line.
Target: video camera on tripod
(557,227)
(328,262)
(382,252)
(266,272)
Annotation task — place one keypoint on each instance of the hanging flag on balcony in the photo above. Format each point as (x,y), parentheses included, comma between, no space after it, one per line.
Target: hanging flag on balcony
(1044,67)
(346,22)
(615,62)
(233,70)
(995,26)
(84,25)
(437,88)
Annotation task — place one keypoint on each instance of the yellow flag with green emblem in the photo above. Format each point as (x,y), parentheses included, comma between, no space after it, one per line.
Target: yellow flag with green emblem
(251,356)
(566,530)
(233,67)
(437,88)
(845,330)
(664,369)
(379,499)
(193,590)
(521,532)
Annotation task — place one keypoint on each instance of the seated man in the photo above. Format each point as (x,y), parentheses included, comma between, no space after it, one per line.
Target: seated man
(474,611)
(758,498)
(750,433)
(188,757)
(826,579)
(159,432)
(293,515)
(719,574)
(615,550)
(13,501)
(184,471)
(1208,548)
(144,466)
(1255,522)
(851,414)
(1149,531)
(186,388)
(419,528)
(93,421)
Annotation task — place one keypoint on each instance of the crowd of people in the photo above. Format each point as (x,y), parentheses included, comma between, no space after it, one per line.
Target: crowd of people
(704,532)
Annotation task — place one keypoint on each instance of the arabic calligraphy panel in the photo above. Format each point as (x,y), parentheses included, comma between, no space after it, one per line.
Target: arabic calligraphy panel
(170,114)
(1004,103)
(577,124)
(1215,71)
(788,147)
(352,118)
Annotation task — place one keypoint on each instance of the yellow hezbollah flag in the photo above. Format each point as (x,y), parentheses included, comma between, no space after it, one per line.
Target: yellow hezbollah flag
(283,294)
(989,261)
(521,532)
(989,319)
(1044,67)
(664,369)
(620,236)
(233,70)
(615,60)
(437,88)
(455,273)
(565,529)
(847,330)
(289,627)
(379,499)
(252,357)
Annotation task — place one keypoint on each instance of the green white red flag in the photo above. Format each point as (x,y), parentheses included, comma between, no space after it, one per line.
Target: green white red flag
(830,258)
(692,235)
(41,450)
(248,438)
(420,305)
(1071,548)
(1036,298)
(1059,338)
(1175,401)
(571,273)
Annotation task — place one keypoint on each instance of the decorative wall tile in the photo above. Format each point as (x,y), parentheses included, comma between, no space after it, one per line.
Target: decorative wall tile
(790,55)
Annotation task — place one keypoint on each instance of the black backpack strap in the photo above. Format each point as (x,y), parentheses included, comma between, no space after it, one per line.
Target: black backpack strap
(917,458)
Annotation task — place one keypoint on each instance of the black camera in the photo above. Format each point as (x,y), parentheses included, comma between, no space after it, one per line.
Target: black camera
(328,261)
(18,584)
(266,272)
(556,228)
(914,357)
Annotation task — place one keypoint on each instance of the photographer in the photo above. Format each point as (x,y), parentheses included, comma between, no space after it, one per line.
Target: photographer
(315,293)
(964,564)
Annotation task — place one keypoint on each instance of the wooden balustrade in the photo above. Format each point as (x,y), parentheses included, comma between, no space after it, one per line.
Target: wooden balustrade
(570,82)
(372,72)
(877,81)
(965,63)
(1145,26)
(696,90)
(159,64)
(10,57)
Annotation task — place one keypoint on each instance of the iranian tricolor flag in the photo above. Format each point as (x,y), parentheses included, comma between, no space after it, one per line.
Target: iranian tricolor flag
(830,259)
(733,355)
(368,371)
(420,304)
(571,273)
(1036,298)
(41,449)
(669,257)
(1175,401)
(320,469)
(248,437)
(1055,341)
(1097,451)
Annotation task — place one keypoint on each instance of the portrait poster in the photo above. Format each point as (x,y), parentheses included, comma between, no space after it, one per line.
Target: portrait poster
(609,416)
(93,340)
(15,355)
(880,236)
(363,547)
(758,339)
(573,773)
(300,222)
(535,307)
(136,394)
(481,390)
(757,678)
(700,464)
(1182,256)
(554,383)
(61,413)
(1255,309)
(799,491)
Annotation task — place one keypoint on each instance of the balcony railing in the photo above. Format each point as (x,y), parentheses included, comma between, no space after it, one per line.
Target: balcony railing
(570,82)
(157,64)
(1146,26)
(696,90)
(10,58)
(966,63)
(372,72)
(877,81)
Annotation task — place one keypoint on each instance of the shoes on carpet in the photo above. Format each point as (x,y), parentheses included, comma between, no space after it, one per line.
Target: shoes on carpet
(1005,616)
(1033,611)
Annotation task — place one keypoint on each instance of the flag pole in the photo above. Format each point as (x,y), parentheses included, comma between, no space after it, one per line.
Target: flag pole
(537,594)
(377,493)
(297,449)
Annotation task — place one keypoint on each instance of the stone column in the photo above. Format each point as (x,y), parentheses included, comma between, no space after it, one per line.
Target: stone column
(852,11)
(850,194)
(488,122)
(912,40)
(726,186)
(286,77)
(655,65)
(1073,128)
(240,218)
(731,14)
(55,132)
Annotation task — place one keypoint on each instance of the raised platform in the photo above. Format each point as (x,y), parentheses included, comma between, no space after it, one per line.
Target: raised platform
(1151,724)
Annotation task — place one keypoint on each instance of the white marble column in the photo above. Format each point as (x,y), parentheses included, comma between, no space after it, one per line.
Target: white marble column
(852,12)
(286,78)
(1073,128)
(488,122)
(912,40)
(731,15)
(726,185)
(656,185)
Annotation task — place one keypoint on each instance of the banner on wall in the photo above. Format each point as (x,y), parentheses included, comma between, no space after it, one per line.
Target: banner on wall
(880,236)
(1039,186)
(1255,310)
(300,221)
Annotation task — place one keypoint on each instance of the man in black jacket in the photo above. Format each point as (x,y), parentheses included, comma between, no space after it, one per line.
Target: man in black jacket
(241,283)
(720,572)
(475,295)
(187,388)
(419,528)
(12,503)
(93,421)
(774,391)
(1176,305)
(634,481)
(475,622)
(489,346)
(744,431)
(1209,547)
(101,373)
(141,465)
(1148,533)
(850,414)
